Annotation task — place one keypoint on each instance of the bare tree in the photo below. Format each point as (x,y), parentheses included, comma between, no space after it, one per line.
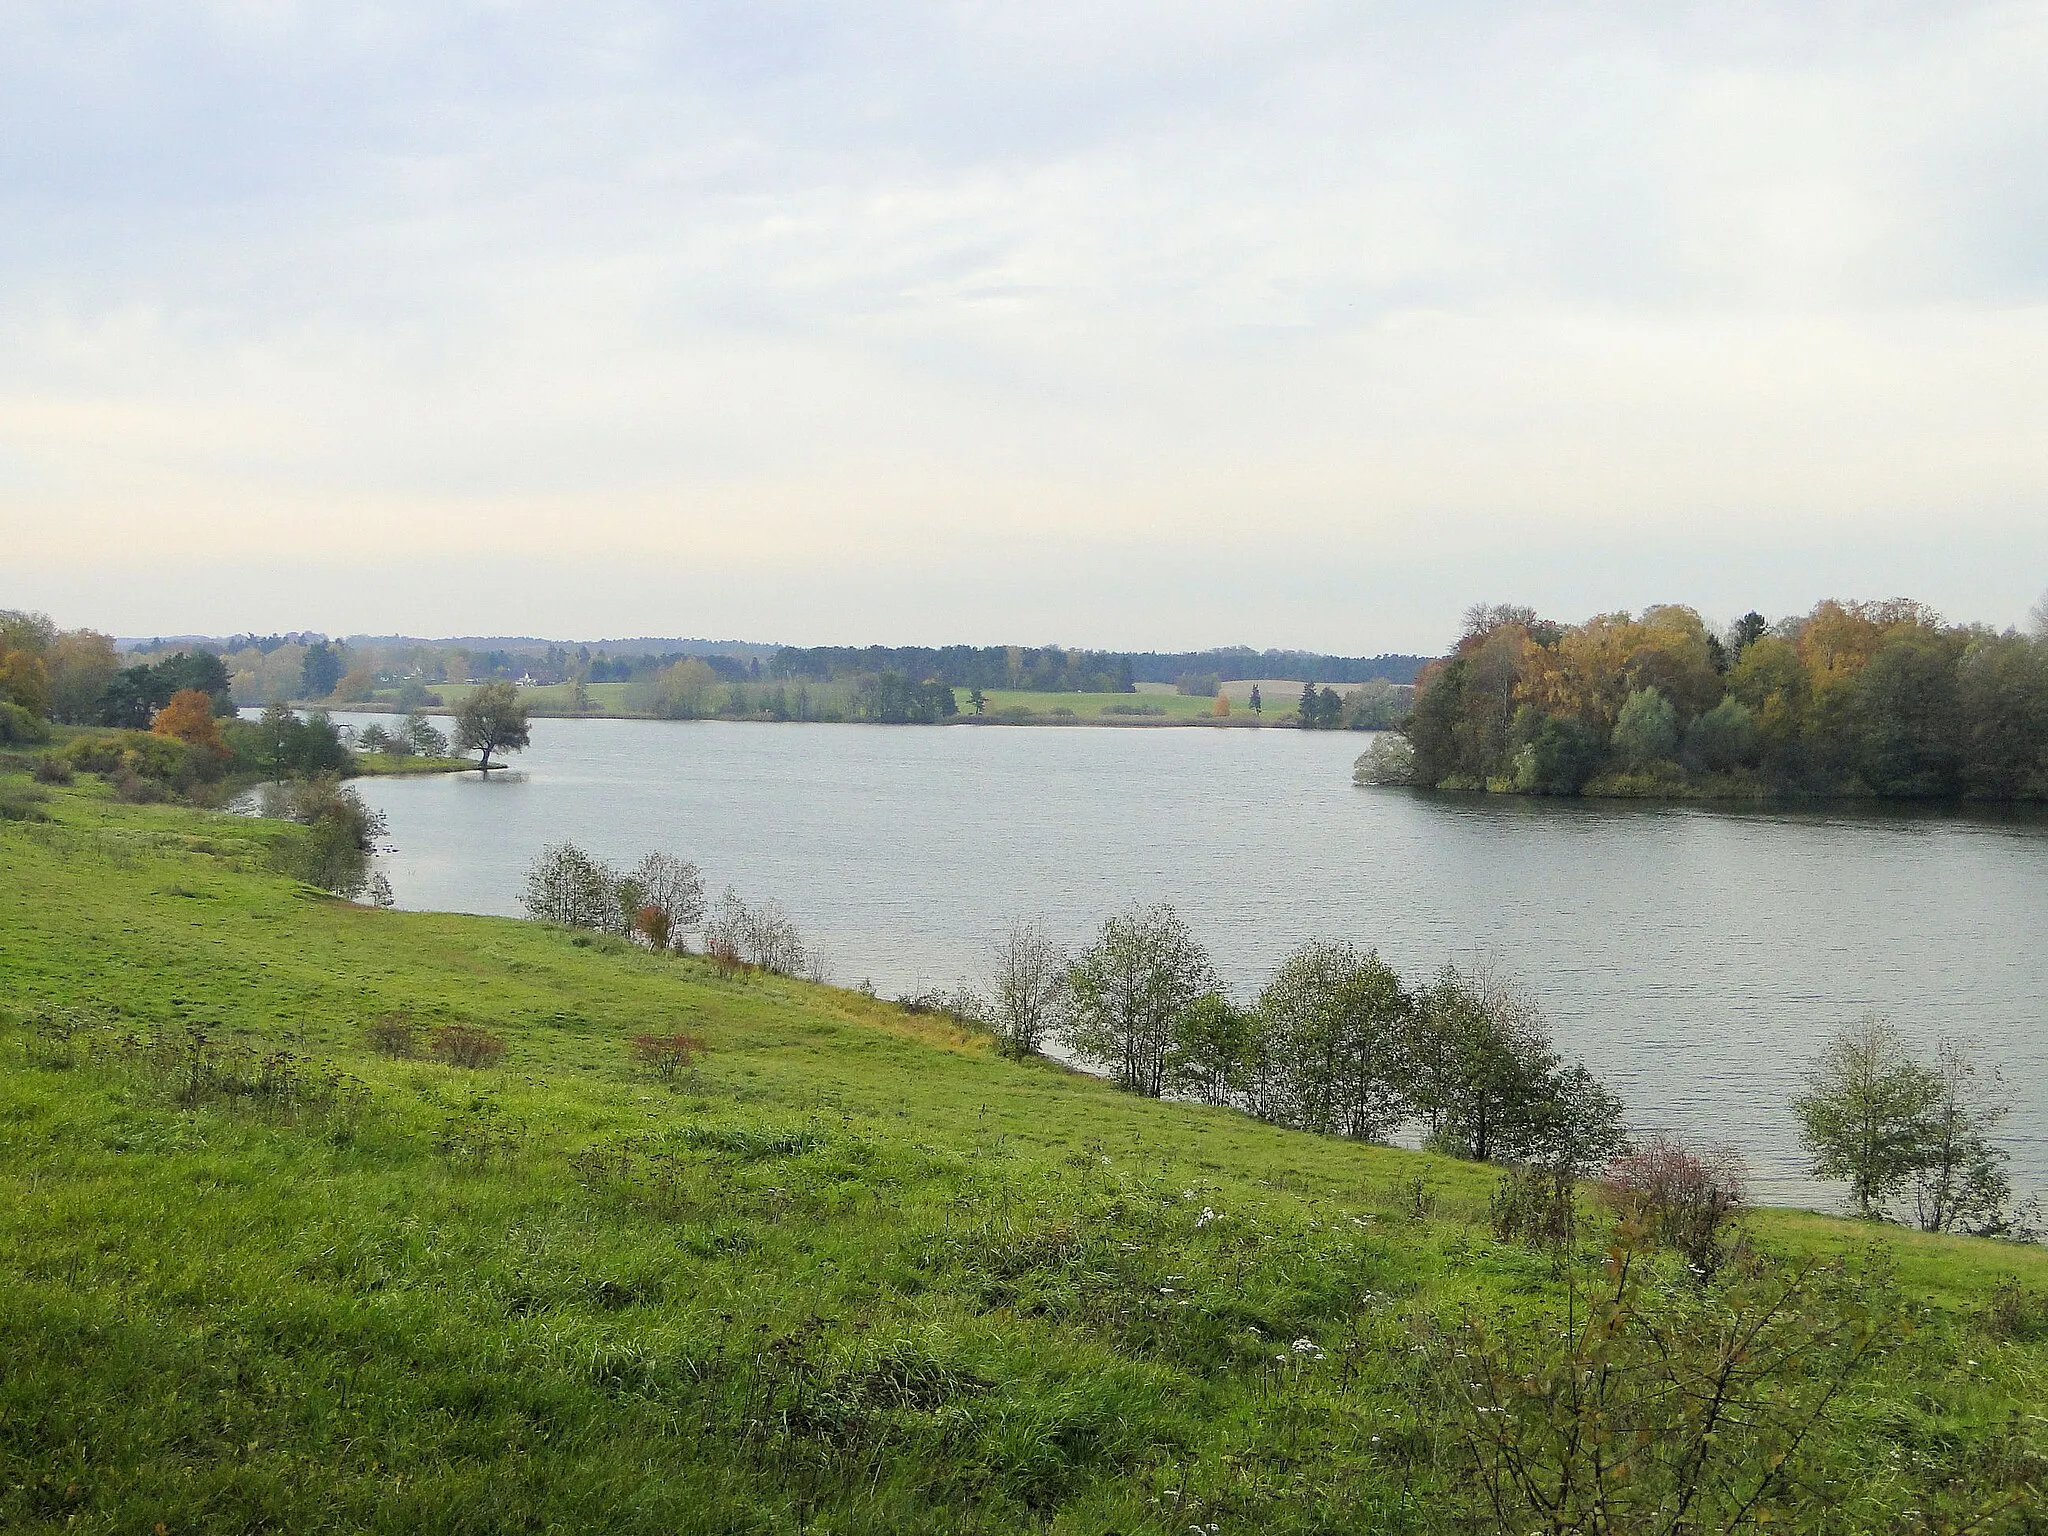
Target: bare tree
(1029,988)
(1959,1183)
(2038,615)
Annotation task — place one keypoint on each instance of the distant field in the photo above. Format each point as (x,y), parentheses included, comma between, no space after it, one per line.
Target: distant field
(551,699)
(1091,706)
(610,699)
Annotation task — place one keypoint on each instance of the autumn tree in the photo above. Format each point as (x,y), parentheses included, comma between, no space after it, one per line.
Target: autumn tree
(81,663)
(189,717)
(25,638)
(491,719)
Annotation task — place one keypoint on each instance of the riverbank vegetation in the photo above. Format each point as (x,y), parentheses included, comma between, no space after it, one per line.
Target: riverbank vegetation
(324,1218)
(1865,699)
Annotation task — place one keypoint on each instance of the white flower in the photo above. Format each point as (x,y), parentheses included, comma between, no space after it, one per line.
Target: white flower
(1207,1216)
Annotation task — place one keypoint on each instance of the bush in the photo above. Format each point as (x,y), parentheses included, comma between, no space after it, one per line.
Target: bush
(465,1045)
(22,802)
(1684,1199)
(1390,760)
(2016,1314)
(21,727)
(1653,1410)
(341,834)
(1535,1205)
(53,770)
(665,1055)
(393,1035)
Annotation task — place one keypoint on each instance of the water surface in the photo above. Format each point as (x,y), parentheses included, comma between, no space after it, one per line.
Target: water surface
(1693,957)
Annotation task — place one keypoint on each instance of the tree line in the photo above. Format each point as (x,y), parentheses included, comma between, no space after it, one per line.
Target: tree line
(1854,698)
(1335,1042)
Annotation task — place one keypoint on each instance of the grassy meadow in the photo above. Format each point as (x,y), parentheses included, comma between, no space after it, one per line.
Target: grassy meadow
(844,1271)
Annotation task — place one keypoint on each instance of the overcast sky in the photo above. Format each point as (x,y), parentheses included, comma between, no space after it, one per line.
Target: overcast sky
(1135,324)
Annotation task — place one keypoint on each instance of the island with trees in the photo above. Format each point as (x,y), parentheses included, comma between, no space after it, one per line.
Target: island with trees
(1859,699)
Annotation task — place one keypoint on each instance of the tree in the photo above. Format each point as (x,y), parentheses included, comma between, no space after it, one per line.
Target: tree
(25,639)
(674,888)
(1258,705)
(1745,631)
(566,885)
(2037,617)
(1129,989)
(341,833)
(81,663)
(1491,1086)
(1214,1051)
(1221,708)
(1863,1112)
(425,739)
(1309,710)
(1389,760)
(189,717)
(320,673)
(1959,1179)
(1332,1026)
(492,719)
(1028,992)
(1907,716)
(977,701)
(1646,731)
(1723,738)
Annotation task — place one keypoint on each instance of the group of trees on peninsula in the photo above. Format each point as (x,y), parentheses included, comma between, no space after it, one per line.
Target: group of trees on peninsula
(1854,698)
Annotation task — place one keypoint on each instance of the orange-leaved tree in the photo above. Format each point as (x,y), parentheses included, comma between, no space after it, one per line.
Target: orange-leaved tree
(189,717)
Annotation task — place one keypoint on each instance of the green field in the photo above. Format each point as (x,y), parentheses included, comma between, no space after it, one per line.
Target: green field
(849,1272)
(1091,706)
(610,699)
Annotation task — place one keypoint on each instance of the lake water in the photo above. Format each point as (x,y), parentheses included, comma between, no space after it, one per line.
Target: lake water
(1693,958)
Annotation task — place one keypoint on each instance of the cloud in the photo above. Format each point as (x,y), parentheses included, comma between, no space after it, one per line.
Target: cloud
(1288,324)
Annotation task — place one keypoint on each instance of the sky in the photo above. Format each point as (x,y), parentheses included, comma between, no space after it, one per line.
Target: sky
(1132,323)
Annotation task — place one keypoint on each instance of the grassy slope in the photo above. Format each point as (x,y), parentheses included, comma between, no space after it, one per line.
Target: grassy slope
(855,1274)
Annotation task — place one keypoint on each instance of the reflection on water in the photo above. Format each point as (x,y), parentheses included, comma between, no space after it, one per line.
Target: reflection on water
(1692,956)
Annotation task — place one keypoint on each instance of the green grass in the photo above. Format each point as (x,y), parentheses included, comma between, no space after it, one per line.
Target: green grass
(852,1273)
(1090,706)
(384,765)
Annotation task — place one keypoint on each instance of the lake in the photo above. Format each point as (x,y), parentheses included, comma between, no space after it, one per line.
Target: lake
(1694,958)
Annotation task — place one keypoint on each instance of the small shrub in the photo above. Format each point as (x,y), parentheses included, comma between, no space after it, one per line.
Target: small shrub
(22,802)
(465,1045)
(1686,1199)
(653,925)
(393,1035)
(131,788)
(52,770)
(1650,1410)
(665,1055)
(1535,1205)
(19,726)
(2015,1313)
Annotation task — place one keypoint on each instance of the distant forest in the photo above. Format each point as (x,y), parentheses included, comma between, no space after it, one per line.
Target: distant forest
(264,669)
(1051,669)
(1878,699)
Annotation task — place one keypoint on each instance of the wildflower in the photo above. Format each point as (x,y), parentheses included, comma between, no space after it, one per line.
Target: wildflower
(1207,1216)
